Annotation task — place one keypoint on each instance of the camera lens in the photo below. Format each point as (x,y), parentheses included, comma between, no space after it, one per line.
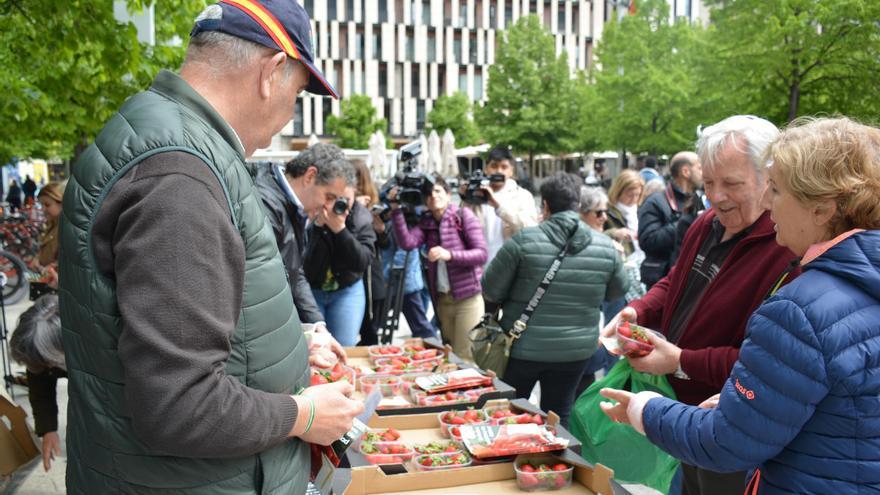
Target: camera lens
(340,206)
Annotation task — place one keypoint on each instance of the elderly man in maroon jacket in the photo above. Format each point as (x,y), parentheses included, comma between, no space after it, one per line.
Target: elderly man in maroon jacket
(729,263)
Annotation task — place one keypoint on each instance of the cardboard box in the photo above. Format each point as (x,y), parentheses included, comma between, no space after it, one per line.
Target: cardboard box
(359,356)
(17,446)
(493,479)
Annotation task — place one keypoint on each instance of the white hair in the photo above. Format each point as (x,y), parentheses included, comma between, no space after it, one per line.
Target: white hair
(754,133)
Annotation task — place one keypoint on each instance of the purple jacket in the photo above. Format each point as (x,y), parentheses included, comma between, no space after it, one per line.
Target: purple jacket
(459,233)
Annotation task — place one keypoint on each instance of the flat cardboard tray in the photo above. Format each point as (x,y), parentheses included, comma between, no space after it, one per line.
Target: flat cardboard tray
(425,427)
(359,356)
(492,479)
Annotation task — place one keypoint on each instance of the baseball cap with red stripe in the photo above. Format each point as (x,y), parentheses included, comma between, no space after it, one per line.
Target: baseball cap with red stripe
(279,24)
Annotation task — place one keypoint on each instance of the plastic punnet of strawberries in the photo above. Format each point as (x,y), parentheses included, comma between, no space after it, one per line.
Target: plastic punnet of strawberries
(338,372)
(386,452)
(504,416)
(535,476)
(633,340)
(454,419)
(434,462)
(386,435)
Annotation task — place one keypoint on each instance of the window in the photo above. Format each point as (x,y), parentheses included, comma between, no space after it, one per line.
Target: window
(462,82)
(387,107)
(331,10)
(343,41)
(398,80)
(359,46)
(383,81)
(478,86)
(420,115)
(309,5)
(688,8)
(472,48)
(560,19)
(478,11)
(462,15)
(456,50)
(414,81)
(412,12)
(409,45)
(508,15)
(383,10)
(426,12)
(298,118)
(432,46)
(377,45)
(493,15)
(398,11)
(447,13)
(575,18)
(327,107)
(349,9)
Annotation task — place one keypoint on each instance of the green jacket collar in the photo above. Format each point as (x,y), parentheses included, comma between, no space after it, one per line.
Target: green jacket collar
(176,88)
(560,225)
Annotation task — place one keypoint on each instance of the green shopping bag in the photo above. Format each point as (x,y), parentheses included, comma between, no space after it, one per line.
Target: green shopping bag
(633,458)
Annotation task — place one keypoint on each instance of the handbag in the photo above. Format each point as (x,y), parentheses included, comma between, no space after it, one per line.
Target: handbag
(490,344)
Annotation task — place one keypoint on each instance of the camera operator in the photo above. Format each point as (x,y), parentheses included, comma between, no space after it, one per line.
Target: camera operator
(292,194)
(339,251)
(456,253)
(502,206)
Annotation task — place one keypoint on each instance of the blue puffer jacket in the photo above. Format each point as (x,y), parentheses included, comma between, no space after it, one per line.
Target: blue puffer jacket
(803,402)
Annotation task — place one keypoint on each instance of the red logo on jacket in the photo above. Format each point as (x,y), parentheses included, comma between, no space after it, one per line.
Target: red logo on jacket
(750,394)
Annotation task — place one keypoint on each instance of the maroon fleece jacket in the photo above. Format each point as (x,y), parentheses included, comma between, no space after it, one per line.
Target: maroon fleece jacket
(710,343)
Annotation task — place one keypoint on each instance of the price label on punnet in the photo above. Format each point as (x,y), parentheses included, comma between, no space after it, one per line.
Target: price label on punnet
(485,441)
(454,380)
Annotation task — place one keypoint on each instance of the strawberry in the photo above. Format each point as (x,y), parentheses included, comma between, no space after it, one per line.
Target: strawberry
(528,481)
(455,420)
(471,416)
(528,468)
(537,419)
(560,467)
(560,481)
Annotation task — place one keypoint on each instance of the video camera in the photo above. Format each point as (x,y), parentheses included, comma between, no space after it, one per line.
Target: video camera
(412,186)
(478,181)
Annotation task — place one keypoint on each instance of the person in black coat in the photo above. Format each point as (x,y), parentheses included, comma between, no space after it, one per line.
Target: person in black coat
(30,190)
(13,197)
(660,213)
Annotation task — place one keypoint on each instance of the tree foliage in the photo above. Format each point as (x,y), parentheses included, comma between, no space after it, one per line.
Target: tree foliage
(530,93)
(67,66)
(645,97)
(454,113)
(356,122)
(803,57)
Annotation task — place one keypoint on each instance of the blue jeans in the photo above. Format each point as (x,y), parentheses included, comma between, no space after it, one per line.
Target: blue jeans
(343,311)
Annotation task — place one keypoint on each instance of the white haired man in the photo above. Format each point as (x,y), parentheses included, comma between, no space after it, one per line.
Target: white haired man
(189,371)
(729,263)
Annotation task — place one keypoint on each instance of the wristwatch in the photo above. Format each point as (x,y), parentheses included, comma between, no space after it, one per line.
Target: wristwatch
(680,374)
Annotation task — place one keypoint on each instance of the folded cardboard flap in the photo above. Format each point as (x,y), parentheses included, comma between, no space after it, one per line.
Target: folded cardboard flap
(17,446)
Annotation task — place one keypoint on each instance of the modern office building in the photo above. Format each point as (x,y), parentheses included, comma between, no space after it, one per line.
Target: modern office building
(404,54)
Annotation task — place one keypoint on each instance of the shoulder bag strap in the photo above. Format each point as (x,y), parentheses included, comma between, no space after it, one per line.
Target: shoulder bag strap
(520,325)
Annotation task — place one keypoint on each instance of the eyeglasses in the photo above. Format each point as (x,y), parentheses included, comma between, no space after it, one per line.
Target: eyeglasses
(600,213)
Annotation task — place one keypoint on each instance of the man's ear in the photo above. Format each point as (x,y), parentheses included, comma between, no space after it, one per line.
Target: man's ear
(310,175)
(271,70)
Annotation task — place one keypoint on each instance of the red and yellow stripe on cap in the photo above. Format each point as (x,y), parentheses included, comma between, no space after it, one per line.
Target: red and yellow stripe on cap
(268,21)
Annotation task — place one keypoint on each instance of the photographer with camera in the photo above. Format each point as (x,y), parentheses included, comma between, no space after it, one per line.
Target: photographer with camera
(501,205)
(339,251)
(456,254)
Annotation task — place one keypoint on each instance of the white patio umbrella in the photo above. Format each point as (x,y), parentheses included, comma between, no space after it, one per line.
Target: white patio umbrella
(434,163)
(376,159)
(447,152)
(423,156)
(313,140)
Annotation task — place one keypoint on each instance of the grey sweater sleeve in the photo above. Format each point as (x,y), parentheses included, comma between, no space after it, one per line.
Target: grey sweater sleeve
(165,235)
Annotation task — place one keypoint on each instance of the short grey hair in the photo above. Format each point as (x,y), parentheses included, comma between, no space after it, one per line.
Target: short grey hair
(753,133)
(219,53)
(591,198)
(36,341)
(328,159)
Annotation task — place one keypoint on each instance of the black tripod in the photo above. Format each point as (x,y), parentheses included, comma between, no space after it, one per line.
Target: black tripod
(393,302)
(8,378)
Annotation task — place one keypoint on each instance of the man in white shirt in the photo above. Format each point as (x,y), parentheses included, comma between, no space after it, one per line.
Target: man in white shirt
(509,207)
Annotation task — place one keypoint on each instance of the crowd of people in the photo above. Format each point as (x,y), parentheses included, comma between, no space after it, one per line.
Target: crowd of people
(195,284)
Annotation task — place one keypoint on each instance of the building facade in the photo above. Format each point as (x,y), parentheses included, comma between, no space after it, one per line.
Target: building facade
(404,54)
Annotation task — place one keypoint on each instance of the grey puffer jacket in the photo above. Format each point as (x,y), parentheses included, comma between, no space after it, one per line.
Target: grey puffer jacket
(565,325)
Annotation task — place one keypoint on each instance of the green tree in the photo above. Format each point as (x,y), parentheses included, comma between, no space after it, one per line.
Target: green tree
(645,97)
(804,57)
(454,112)
(67,66)
(530,93)
(356,122)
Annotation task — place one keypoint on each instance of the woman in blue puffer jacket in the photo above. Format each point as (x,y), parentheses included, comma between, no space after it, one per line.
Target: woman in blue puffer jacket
(801,408)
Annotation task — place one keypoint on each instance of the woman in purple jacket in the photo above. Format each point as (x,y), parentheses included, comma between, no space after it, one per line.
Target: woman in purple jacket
(457,253)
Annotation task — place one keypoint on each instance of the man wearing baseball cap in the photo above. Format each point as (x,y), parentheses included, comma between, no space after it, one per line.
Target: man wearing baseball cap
(189,372)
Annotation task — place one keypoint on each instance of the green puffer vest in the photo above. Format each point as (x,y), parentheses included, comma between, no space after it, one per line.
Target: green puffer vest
(565,325)
(268,349)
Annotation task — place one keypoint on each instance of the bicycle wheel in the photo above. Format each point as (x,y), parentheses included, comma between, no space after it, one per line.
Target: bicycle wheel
(16,277)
